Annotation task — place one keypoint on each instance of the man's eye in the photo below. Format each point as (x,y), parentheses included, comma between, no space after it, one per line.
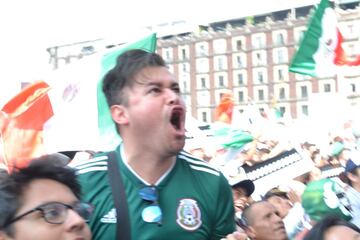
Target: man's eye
(175,88)
(53,213)
(155,90)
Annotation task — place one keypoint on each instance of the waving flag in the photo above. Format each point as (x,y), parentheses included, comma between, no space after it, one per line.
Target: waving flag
(23,118)
(66,112)
(224,111)
(321,48)
(237,139)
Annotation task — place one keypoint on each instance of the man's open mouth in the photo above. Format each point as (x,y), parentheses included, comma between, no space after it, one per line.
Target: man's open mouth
(176,118)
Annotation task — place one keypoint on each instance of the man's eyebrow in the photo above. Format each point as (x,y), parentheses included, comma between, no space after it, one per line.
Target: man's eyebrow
(155,83)
(149,84)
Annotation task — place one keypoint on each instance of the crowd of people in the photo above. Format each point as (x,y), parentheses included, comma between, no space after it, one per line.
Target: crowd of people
(150,187)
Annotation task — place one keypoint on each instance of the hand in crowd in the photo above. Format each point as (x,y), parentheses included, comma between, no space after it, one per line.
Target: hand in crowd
(293,196)
(236,236)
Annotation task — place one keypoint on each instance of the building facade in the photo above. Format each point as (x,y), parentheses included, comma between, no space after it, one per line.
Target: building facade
(250,57)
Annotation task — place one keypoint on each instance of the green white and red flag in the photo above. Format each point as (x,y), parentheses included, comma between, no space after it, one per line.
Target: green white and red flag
(320,50)
(65,112)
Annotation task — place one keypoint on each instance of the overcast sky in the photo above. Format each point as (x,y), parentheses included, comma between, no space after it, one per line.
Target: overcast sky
(28,27)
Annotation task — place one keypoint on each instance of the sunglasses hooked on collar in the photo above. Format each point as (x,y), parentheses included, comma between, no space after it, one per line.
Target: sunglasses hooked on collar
(151,213)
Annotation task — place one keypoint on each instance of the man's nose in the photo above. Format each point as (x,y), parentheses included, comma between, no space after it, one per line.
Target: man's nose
(172,96)
(74,221)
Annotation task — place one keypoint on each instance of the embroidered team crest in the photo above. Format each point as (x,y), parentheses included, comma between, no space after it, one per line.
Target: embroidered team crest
(188,214)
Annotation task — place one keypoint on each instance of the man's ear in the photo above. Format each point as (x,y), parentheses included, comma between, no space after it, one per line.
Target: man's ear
(250,232)
(119,114)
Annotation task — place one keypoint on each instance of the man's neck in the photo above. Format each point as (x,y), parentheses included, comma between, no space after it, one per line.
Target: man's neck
(148,165)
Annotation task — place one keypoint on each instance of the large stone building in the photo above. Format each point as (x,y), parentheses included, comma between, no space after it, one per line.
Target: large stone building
(250,57)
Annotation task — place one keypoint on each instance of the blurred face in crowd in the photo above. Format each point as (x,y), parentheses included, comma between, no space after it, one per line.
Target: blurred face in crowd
(341,233)
(198,152)
(355,178)
(34,226)
(265,223)
(240,199)
(345,154)
(281,204)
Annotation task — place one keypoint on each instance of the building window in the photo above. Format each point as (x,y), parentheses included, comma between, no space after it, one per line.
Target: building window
(304,92)
(327,87)
(239,62)
(204,116)
(219,46)
(305,109)
(221,81)
(299,34)
(168,55)
(282,93)
(258,42)
(220,64)
(203,82)
(280,39)
(239,45)
(258,59)
(184,86)
(241,96)
(280,74)
(260,77)
(202,50)
(240,77)
(261,95)
(280,56)
(183,53)
(184,67)
(262,111)
(282,110)
(350,28)
(203,98)
(202,65)
(353,87)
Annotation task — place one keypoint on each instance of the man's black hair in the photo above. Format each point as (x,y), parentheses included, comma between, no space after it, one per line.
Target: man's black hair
(13,185)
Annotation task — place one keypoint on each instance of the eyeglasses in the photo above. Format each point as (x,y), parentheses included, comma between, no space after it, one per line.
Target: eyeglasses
(56,212)
(152,213)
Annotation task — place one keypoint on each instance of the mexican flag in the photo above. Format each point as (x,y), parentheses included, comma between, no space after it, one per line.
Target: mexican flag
(65,112)
(320,50)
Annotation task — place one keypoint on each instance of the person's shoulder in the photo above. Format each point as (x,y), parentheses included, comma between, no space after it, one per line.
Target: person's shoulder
(98,163)
(198,165)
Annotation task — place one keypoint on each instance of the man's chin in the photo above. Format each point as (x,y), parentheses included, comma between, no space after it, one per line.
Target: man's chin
(177,147)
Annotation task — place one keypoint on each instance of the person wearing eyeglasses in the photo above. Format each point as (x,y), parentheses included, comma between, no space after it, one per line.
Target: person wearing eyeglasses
(170,194)
(41,201)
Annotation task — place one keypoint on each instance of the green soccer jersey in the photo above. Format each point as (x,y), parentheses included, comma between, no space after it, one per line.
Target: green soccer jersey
(195,200)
